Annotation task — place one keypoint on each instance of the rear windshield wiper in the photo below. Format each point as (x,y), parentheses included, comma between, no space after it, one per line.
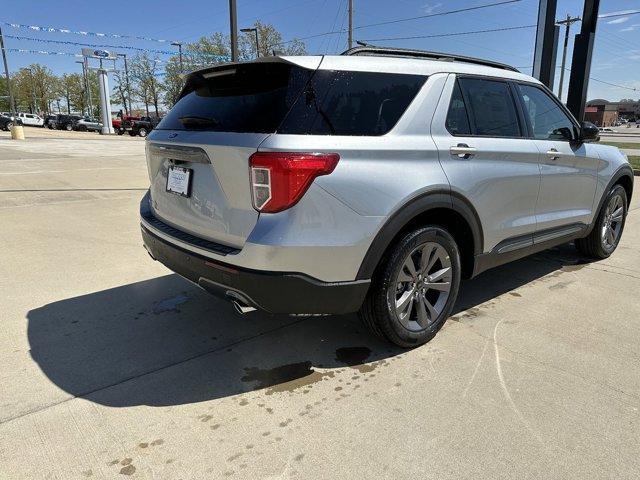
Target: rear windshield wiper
(198,122)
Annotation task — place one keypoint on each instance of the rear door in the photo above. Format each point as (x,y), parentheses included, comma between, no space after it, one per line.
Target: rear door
(224,114)
(479,131)
(568,167)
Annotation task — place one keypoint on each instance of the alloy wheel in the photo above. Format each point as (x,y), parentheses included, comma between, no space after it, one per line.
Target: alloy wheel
(612,224)
(422,286)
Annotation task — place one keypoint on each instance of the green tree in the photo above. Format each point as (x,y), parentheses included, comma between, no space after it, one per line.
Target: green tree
(34,88)
(145,82)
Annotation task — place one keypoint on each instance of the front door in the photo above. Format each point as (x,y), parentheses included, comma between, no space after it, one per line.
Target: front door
(568,167)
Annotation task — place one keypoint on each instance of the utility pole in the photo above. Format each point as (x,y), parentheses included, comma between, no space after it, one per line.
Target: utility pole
(567,23)
(126,79)
(233,24)
(12,105)
(350,40)
(179,45)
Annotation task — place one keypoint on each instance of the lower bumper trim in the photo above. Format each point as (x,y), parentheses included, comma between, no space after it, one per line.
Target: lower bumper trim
(273,292)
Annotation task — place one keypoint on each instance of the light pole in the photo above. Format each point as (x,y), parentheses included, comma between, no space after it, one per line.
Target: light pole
(126,79)
(254,30)
(86,86)
(179,45)
(350,39)
(33,107)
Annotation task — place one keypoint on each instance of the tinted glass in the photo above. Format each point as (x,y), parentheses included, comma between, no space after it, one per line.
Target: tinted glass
(457,119)
(548,121)
(491,107)
(251,98)
(352,103)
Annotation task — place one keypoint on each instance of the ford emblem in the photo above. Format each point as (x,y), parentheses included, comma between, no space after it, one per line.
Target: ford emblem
(173,135)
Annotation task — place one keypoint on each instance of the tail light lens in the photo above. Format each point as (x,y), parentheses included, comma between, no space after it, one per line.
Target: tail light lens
(280,179)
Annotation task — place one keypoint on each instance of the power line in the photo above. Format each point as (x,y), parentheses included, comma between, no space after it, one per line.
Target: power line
(448,12)
(439,14)
(595,80)
(452,34)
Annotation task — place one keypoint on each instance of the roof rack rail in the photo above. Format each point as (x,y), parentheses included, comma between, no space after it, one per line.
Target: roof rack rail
(373,50)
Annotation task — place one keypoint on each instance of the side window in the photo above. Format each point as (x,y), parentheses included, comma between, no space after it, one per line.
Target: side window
(352,103)
(457,118)
(491,107)
(548,121)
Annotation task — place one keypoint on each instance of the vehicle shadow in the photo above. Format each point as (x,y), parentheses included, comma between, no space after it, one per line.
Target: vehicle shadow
(165,342)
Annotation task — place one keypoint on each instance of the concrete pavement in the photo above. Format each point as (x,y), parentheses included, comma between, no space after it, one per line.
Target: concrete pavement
(113,367)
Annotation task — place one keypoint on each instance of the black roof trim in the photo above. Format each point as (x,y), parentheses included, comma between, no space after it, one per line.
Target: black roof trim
(372,50)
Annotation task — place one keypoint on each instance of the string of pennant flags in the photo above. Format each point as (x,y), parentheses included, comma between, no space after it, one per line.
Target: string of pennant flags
(47,52)
(40,28)
(93,45)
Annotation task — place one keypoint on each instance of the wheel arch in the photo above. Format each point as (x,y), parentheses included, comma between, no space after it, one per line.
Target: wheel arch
(443,208)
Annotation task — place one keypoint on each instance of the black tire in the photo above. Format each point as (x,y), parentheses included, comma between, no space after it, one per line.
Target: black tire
(594,245)
(142,132)
(8,126)
(378,311)
(68,127)
(132,133)
(120,131)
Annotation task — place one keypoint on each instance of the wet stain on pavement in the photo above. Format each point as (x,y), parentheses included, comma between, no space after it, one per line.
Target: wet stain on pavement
(170,304)
(285,378)
(355,357)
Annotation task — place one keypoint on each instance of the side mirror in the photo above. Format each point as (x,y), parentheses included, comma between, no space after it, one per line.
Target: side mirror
(589,132)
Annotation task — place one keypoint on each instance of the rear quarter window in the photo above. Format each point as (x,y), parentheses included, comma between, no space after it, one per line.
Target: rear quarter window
(351,103)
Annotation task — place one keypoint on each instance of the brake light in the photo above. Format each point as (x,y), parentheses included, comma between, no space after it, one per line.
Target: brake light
(280,179)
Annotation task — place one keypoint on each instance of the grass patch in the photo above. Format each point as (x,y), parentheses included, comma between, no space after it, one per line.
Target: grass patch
(634,160)
(623,144)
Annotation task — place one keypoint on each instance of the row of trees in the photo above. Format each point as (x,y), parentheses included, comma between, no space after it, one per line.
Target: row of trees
(151,85)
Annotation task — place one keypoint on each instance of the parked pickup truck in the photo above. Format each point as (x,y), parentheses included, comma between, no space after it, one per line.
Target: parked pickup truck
(117,123)
(140,127)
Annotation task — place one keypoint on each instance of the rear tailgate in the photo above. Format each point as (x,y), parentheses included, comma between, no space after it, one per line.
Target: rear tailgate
(224,114)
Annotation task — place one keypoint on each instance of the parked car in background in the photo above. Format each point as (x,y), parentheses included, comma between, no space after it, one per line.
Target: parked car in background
(6,121)
(87,124)
(140,127)
(117,123)
(372,182)
(65,122)
(606,130)
(47,121)
(31,119)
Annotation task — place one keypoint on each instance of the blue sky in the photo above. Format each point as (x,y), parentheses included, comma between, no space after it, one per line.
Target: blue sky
(617,51)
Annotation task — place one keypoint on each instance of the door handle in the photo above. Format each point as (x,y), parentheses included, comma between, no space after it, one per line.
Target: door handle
(462,150)
(553,154)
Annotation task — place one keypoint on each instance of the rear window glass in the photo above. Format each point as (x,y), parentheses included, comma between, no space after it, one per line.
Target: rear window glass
(250,98)
(351,103)
(491,107)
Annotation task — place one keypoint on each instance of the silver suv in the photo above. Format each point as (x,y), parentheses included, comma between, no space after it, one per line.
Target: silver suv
(371,182)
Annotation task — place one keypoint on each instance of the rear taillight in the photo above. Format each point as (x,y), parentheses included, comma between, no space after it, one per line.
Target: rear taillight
(280,179)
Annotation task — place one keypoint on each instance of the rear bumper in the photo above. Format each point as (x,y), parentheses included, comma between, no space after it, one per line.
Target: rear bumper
(273,292)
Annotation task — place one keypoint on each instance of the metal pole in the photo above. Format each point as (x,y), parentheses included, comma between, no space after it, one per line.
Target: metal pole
(126,80)
(85,84)
(12,104)
(105,101)
(86,66)
(233,24)
(581,62)
(179,45)
(350,40)
(544,66)
(567,23)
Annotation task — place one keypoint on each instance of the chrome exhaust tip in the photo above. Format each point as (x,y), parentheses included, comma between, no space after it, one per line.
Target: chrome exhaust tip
(242,308)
